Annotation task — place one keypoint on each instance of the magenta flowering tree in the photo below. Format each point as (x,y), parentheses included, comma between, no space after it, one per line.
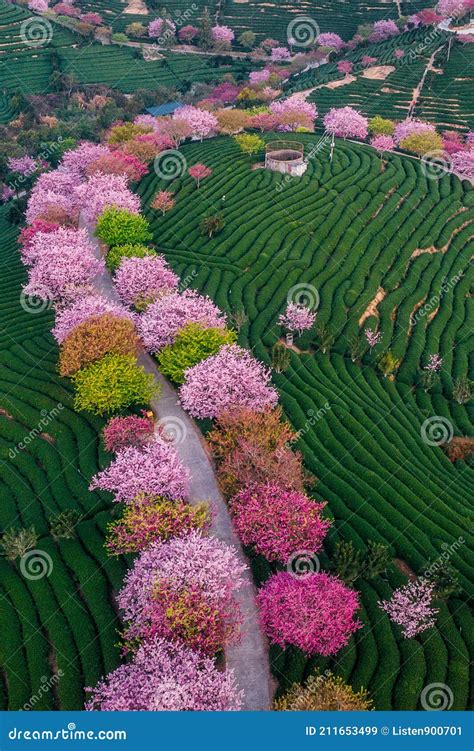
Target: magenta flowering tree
(93,18)
(187,33)
(367,60)
(80,310)
(100,192)
(160,27)
(294,104)
(373,337)
(199,172)
(314,612)
(329,39)
(434,363)
(278,522)
(463,164)
(259,76)
(201,123)
(166,676)
(297,318)
(132,430)
(279,54)
(398,54)
(140,281)
(384,29)
(231,378)
(23,165)
(454,8)
(193,558)
(410,127)
(222,36)
(159,325)
(410,607)
(152,470)
(62,260)
(76,161)
(383,143)
(27,233)
(345,66)
(346,122)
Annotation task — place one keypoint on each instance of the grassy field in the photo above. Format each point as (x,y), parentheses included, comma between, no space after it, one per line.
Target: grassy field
(349,230)
(63,624)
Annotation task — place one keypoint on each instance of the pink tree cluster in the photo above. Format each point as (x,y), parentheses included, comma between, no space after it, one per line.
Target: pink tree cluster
(192,559)
(80,310)
(346,122)
(231,378)
(53,190)
(188,33)
(66,9)
(329,39)
(383,30)
(409,127)
(101,191)
(93,18)
(121,432)
(152,470)
(410,607)
(166,676)
(38,6)
(454,8)
(278,522)
(23,165)
(222,35)
(280,54)
(77,160)
(140,281)
(160,26)
(297,318)
(163,319)
(59,266)
(345,66)
(149,121)
(28,233)
(314,612)
(463,164)
(293,112)
(383,143)
(202,124)
(259,76)
(119,163)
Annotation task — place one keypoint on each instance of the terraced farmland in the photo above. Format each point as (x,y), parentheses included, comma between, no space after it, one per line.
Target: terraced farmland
(60,625)
(353,232)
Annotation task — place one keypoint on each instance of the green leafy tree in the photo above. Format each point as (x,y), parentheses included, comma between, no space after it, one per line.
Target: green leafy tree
(381,126)
(118,252)
(423,143)
(63,526)
(249,143)
(205,30)
(325,337)
(113,384)
(193,344)
(16,542)
(280,357)
(388,363)
(247,39)
(446,581)
(121,227)
(212,224)
(135,29)
(347,562)
(377,559)
(462,390)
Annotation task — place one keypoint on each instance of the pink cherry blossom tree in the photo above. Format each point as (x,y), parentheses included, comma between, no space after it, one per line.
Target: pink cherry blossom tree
(314,612)
(202,124)
(259,76)
(384,29)
(410,127)
(297,318)
(329,39)
(346,122)
(373,337)
(199,172)
(278,522)
(222,36)
(231,378)
(410,607)
(101,191)
(279,54)
(159,325)
(152,470)
(163,201)
(140,281)
(165,676)
(463,164)
(80,310)
(345,66)
(76,161)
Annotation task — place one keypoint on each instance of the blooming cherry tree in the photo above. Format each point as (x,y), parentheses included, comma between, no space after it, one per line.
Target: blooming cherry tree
(80,310)
(314,612)
(373,337)
(152,470)
(329,39)
(166,676)
(163,201)
(139,281)
(101,192)
(201,123)
(346,122)
(222,36)
(231,378)
(279,54)
(463,164)
(297,318)
(410,607)
(198,172)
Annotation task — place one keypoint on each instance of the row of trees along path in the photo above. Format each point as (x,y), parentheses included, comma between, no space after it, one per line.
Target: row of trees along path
(249,658)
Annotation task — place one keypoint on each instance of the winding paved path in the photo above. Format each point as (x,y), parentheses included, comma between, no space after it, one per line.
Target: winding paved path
(249,658)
